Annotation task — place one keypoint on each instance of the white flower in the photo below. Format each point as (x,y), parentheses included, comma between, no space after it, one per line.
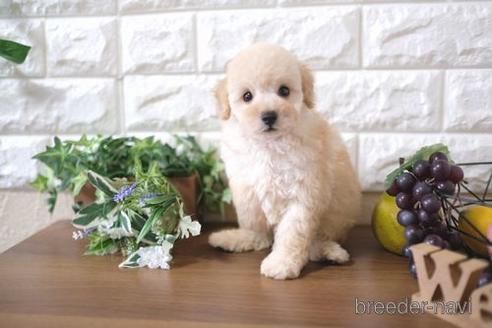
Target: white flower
(77,235)
(155,256)
(106,227)
(186,226)
(109,220)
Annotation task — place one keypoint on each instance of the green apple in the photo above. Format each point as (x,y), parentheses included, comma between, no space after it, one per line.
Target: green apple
(385,226)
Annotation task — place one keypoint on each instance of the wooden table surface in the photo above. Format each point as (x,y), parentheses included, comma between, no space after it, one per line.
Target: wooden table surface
(46,282)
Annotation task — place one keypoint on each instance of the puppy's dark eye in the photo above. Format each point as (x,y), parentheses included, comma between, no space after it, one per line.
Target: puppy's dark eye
(283,91)
(247,96)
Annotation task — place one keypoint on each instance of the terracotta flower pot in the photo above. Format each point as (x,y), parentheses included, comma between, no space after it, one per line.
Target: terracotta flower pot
(186,186)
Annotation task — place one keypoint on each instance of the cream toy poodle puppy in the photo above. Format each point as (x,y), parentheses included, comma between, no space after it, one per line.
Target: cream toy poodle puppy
(292,182)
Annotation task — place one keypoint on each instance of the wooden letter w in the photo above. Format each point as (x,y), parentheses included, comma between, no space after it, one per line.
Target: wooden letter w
(444,275)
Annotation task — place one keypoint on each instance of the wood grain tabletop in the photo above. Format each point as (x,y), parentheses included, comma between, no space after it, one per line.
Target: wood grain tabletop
(46,282)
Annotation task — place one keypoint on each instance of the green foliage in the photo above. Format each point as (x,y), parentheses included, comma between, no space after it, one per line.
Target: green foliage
(423,154)
(40,183)
(100,244)
(13,51)
(87,215)
(67,163)
(137,211)
(213,189)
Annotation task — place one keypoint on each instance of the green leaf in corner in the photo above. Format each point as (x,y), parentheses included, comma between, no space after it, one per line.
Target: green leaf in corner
(13,51)
(423,154)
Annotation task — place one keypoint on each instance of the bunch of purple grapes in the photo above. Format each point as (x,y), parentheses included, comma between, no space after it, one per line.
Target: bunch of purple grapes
(419,192)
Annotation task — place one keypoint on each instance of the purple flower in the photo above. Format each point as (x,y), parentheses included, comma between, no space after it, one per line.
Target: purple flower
(89,231)
(82,234)
(124,192)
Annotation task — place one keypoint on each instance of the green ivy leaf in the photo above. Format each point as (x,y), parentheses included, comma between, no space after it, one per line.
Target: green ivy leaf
(53,195)
(423,154)
(40,183)
(13,51)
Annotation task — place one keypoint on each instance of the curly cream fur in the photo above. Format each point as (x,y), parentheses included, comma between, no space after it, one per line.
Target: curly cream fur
(294,188)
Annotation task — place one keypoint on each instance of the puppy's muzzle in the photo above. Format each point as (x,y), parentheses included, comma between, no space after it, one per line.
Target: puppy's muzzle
(269,118)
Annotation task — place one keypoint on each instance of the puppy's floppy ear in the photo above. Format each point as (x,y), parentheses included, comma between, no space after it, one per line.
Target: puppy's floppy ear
(307,86)
(224,111)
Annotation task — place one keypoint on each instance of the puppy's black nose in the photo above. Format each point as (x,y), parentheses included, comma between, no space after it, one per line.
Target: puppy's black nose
(269,117)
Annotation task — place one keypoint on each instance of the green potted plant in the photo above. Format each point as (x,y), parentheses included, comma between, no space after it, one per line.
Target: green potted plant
(134,195)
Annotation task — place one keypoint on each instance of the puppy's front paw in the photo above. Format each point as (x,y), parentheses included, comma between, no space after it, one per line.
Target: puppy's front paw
(222,239)
(337,254)
(239,240)
(277,266)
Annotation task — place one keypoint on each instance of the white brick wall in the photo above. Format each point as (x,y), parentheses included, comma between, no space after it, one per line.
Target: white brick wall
(391,75)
